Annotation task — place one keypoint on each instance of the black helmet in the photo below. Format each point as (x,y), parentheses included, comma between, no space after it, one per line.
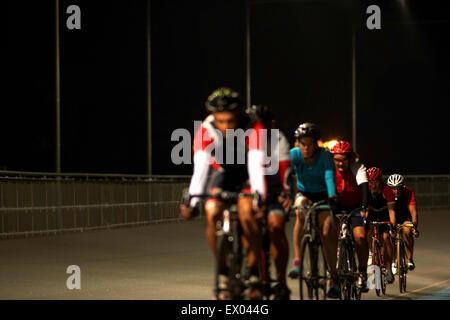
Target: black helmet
(223,99)
(307,129)
(259,113)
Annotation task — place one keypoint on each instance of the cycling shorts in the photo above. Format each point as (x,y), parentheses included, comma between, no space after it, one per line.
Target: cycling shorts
(274,207)
(356,219)
(402,217)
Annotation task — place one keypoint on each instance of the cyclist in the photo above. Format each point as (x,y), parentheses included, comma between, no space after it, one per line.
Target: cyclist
(382,208)
(352,196)
(406,212)
(278,204)
(226,113)
(315,172)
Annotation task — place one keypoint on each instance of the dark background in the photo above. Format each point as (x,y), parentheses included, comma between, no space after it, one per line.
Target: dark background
(301,66)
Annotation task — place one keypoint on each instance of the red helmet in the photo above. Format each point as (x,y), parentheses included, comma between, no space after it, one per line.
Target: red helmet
(342,147)
(374,173)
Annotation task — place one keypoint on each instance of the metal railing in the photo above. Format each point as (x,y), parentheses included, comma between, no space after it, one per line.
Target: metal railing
(432,191)
(45,203)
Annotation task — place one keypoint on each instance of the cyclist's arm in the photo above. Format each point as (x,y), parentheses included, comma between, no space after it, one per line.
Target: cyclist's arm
(202,160)
(330,176)
(284,162)
(256,161)
(359,170)
(412,207)
(391,208)
(414,216)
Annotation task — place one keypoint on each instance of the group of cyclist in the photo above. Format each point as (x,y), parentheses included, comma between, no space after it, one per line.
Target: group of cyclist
(336,175)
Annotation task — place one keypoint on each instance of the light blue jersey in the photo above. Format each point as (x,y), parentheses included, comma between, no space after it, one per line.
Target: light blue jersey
(319,177)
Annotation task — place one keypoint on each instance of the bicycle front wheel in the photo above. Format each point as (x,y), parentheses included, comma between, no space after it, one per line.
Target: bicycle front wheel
(343,270)
(306,278)
(401,266)
(378,261)
(313,271)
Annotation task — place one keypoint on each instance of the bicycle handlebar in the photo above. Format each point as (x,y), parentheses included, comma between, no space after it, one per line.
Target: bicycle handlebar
(377,223)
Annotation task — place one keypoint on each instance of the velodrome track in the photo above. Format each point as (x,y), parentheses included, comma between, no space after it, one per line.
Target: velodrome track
(173,261)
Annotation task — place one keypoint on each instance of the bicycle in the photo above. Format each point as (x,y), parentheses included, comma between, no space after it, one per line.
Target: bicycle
(401,257)
(229,250)
(346,267)
(313,266)
(377,256)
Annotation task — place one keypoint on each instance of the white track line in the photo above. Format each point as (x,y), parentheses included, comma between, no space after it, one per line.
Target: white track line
(420,289)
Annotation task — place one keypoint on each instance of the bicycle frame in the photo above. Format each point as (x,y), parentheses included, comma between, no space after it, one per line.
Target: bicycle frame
(346,262)
(377,256)
(402,269)
(311,241)
(229,247)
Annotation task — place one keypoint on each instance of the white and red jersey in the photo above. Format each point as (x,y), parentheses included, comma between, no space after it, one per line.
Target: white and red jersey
(208,140)
(348,182)
(279,181)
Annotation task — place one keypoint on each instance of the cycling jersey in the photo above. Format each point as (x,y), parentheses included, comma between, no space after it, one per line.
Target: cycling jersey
(402,203)
(379,203)
(277,183)
(317,178)
(211,151)
(350,186)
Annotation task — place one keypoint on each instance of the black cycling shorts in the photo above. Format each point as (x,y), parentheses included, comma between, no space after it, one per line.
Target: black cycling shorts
(356,219)
(232,182)
(275,207)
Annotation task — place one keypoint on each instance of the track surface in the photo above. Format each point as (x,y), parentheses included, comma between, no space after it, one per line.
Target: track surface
(173,261)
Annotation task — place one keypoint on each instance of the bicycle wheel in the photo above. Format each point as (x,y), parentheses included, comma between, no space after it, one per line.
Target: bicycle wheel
(306,278)
(404,266)
(378,261)
(355,290)
(322,274)
(401,267)
(343,270)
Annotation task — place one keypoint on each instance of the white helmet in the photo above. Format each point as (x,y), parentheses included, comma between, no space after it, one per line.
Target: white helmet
(396,180)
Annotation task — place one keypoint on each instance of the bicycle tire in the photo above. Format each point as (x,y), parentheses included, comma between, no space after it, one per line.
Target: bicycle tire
(343,269)
(306,268)
(322,273)
(377,256)
(404,266)
(355,290)
(400,266)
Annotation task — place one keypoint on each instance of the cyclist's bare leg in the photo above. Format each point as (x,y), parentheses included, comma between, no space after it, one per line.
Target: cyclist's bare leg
(388,249)
(279,248)
(214,209)
(299,223)
(409,242)
(361,245)
(329,238)
(251,230)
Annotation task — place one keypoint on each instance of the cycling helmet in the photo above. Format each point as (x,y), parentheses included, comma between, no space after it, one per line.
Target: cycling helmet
(307,129)
(342,147)
(396,180)
(223,99)
(374,173)
(259,113)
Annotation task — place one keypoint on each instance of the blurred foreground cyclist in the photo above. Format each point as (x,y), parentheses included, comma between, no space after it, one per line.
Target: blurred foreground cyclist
(212,175)
(278,203)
